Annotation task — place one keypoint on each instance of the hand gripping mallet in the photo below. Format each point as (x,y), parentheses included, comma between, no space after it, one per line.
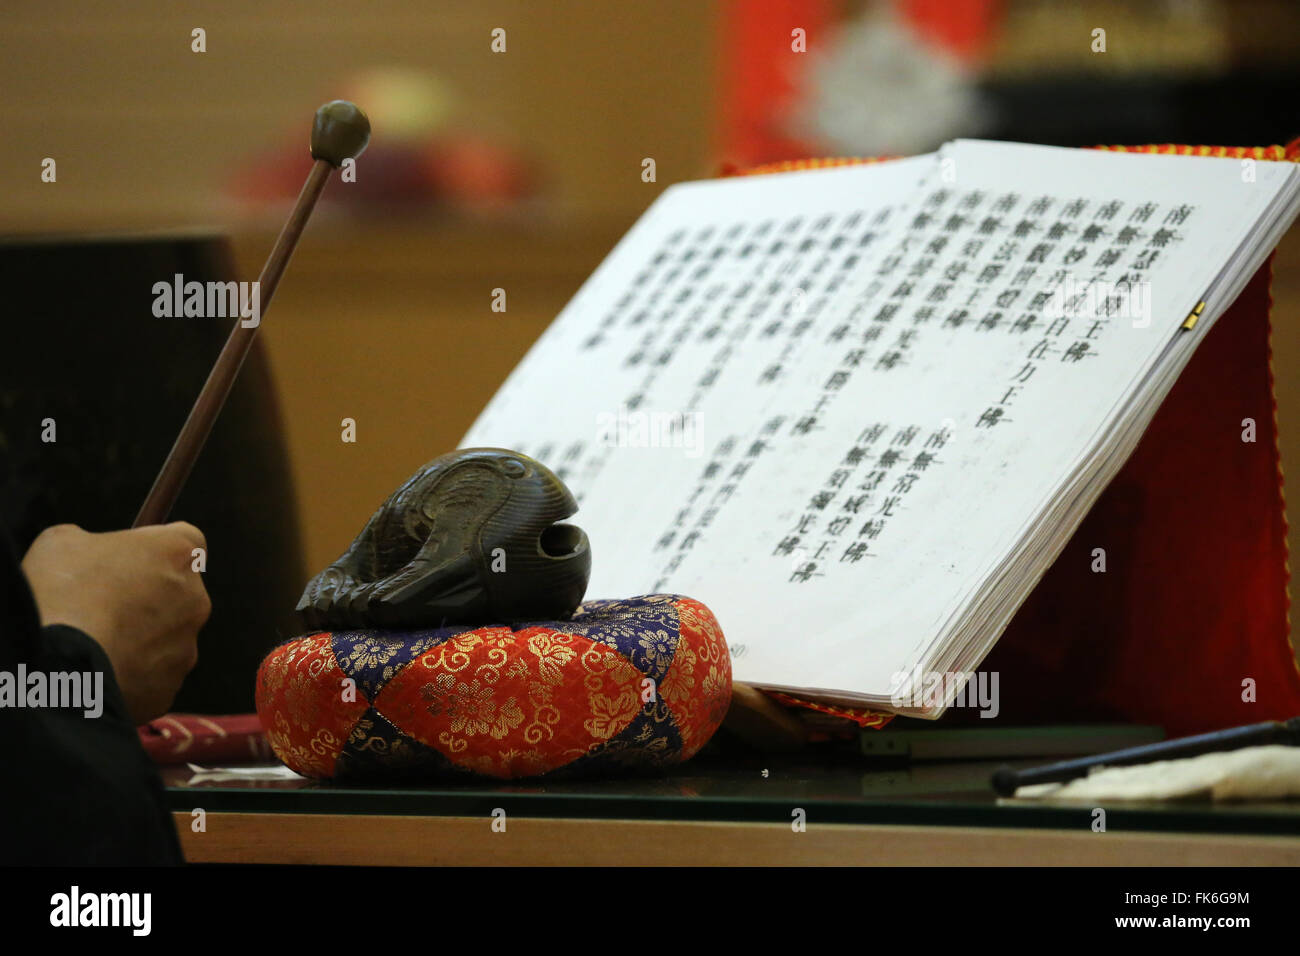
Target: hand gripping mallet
(340,131)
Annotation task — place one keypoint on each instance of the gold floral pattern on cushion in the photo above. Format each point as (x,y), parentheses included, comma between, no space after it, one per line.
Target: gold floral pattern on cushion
(305,705)
(636,684)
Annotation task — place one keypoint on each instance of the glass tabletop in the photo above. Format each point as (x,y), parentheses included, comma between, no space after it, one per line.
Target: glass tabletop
(760,788)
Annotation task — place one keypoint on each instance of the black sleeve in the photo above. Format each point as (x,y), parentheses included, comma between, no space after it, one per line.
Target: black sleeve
(77,789)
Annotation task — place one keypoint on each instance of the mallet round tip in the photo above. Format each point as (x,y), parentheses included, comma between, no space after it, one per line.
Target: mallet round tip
(340,131)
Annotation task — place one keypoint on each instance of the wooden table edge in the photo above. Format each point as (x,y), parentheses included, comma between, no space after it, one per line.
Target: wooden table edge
(401,840)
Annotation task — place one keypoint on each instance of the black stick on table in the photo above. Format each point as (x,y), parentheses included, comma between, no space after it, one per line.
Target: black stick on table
(1005,780)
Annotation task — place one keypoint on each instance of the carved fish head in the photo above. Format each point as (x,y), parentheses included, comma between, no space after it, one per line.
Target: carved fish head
(475,536)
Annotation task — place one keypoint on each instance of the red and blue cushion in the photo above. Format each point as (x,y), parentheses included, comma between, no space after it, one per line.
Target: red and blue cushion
(636,684)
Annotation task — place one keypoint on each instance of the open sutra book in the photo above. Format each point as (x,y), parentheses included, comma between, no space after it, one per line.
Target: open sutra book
(859,411)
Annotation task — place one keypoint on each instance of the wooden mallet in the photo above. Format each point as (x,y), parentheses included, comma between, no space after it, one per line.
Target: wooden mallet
(339,132)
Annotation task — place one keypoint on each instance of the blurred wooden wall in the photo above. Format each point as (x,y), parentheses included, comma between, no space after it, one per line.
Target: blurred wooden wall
(143,129)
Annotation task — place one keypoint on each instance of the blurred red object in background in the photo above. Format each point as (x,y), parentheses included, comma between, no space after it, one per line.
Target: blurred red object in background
(761,72)
(418,158)
(458,170)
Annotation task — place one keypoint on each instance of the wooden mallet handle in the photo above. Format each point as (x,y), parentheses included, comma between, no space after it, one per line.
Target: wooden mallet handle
(339,132)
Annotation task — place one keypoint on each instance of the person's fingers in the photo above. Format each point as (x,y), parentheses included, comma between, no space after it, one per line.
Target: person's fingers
(178,541)
(202,605)
(192,604)
(190,653)
(190,533)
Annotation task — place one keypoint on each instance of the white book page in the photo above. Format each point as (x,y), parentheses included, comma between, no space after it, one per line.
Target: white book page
(828,404)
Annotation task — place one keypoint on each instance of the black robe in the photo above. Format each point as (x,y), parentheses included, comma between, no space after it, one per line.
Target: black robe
(74,790)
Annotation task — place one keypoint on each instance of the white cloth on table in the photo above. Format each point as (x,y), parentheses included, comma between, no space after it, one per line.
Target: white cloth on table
(1252,773)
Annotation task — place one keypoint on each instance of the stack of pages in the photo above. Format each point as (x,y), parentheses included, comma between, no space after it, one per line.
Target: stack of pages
(859,411)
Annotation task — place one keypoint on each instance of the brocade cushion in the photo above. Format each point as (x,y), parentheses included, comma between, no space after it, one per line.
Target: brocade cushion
(641,683)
